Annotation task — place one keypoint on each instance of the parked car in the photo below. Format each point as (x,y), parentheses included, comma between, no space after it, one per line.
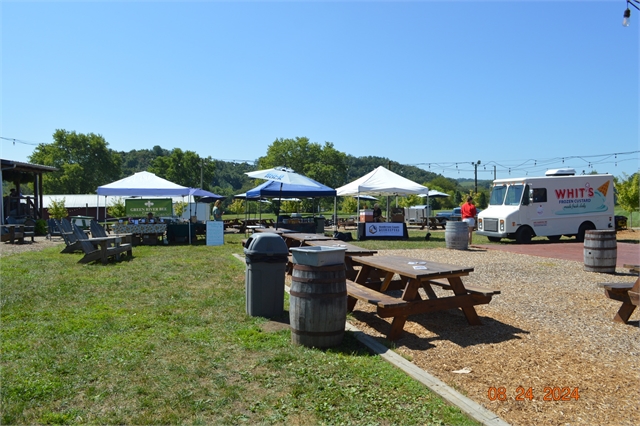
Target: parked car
(454,214)
(449,214)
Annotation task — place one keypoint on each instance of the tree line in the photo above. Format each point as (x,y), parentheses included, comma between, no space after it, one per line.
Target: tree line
(85,161)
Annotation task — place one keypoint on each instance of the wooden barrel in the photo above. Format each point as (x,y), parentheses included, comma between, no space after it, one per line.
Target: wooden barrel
(456,235)
(318,305)
(600,251)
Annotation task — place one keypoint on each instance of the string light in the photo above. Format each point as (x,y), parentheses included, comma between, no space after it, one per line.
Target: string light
(534,166)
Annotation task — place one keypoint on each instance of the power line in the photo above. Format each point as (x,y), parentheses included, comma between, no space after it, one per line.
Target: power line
(527,166)
(582,162)
(15,141)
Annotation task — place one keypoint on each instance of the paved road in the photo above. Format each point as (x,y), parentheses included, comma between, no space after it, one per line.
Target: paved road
(627,253)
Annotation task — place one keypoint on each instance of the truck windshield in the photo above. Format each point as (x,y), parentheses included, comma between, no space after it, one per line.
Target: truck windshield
(497,195)
(514,194)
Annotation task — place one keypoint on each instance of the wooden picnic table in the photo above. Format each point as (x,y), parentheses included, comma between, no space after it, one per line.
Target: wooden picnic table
(350,251)
(298,239)
(434,222)
(375,280)
(274,230)
(628,294)
(14,232)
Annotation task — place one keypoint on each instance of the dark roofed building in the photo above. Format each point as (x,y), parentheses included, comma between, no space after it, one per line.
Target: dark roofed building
(19,173)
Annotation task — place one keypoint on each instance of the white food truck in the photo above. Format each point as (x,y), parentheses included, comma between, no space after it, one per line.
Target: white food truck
(559,203)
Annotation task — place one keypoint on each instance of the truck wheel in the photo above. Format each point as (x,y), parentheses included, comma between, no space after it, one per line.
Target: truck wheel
(524,235)
(586,226)
(554,238)
(494,239)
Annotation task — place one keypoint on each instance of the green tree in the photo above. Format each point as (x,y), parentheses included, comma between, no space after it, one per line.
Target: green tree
(457,199)
(443,184)
(629,193)
(183,168)
(482,200)
(411,200)
(180,207)
(140,160)
(349,205)
(237,206)
(117,208)
(322,163)
(57,209)
(84,162)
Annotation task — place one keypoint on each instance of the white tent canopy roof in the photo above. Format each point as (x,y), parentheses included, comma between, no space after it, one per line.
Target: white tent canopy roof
(381,181)
(143,184)
(91,200)
(434,193)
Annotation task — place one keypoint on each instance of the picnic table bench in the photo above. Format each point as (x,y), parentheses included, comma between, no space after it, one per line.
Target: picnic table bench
(376,278)
(14,232)
(628,294)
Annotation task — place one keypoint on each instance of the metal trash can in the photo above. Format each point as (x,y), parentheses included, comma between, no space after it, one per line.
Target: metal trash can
(266,256)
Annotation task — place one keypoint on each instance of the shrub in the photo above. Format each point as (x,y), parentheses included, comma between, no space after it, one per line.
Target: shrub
(41,227)
(57,210)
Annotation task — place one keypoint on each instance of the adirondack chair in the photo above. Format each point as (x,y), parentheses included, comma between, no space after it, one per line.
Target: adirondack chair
(30,228)
(100,248)
(72,243)
(53,230)
(97,230)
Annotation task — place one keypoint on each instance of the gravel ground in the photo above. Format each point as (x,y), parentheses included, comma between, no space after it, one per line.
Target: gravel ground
(39,243)
(551,326)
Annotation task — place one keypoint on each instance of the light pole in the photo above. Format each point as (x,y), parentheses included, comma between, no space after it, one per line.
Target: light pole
(201,169)
(475,186)
(627,13)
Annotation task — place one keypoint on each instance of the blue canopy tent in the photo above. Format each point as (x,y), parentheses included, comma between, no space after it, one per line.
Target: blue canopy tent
(274,189)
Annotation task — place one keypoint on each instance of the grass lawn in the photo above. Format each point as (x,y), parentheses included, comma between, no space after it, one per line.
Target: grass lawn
(164,339)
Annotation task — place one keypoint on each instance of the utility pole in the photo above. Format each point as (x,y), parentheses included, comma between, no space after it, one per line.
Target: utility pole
(475,166)
(201,168)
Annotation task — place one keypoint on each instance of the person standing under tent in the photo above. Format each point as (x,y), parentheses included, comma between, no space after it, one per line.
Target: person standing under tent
(216,213)
(469,213)
(377,213)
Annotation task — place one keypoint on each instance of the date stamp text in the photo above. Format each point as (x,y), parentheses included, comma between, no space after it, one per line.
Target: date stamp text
(549,393)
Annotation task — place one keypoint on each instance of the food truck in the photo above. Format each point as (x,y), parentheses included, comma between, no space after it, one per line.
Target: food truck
(559,203)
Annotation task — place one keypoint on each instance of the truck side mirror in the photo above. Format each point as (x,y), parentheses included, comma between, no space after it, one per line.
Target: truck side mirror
(526,196)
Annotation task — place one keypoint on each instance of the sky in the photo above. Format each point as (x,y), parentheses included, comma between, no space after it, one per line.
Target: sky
(520,87)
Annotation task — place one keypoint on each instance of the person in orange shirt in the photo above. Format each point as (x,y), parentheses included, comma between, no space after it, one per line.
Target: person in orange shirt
(469,214)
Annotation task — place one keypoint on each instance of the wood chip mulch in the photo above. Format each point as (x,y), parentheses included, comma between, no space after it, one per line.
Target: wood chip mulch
(551,326)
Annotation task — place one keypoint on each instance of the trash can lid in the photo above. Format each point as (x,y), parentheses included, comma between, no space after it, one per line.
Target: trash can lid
(266,244)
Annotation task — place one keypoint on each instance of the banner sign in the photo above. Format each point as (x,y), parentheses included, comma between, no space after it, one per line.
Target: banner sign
(215,233)
(384,230)
(140,207)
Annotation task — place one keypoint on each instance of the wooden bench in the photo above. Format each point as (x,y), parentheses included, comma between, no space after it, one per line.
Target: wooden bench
(13,233)
(434,222)
(470,288)
(359,292)
(628,294)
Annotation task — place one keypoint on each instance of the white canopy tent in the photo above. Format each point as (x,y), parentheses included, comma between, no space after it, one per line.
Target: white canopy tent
(145,184)
(380,181)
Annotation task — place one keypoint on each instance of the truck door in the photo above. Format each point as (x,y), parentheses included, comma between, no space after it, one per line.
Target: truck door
(525,206)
